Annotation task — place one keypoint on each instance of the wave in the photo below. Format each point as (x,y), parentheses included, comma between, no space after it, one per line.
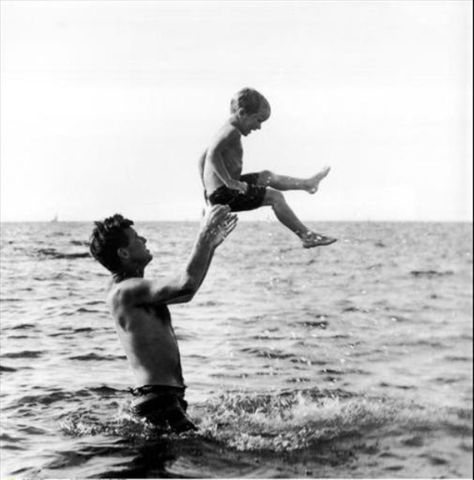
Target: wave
(96,357)
(315,323)
(457,358)
(355,309)
(23,326)
(80,243)
(83,330)
(430,273)
(88,310)
(58,395)
(267,353)
(3,368)
(23,354)
(53,253)
(95,302)
(398,318)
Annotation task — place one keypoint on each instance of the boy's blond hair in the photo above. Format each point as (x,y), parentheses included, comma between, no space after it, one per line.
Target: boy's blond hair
(249,100)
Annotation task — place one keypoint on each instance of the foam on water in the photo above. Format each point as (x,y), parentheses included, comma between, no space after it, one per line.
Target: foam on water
(285,421)
(292,421)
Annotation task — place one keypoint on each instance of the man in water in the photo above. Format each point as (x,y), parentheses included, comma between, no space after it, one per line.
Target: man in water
(140,310)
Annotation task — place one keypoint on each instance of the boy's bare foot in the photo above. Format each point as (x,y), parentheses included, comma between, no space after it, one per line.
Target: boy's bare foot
(313,239)
(313,182)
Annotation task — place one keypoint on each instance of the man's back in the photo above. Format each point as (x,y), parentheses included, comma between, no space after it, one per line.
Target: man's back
(146,333)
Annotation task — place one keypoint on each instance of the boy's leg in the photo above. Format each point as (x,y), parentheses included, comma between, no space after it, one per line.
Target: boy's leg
(283,182)
(284,213)
(286,216)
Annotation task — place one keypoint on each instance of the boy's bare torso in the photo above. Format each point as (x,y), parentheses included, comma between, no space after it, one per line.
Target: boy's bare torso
(149,340)
(228,145)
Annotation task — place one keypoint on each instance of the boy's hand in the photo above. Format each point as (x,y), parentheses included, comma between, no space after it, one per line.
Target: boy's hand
(241,187)
(217,223)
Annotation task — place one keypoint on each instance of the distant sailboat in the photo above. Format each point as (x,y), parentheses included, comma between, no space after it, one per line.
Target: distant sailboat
(55,219)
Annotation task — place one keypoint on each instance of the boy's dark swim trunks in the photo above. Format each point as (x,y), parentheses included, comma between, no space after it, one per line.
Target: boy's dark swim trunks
(238,202)
(163,406)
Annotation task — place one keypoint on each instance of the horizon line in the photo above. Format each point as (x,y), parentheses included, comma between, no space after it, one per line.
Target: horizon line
(368,220)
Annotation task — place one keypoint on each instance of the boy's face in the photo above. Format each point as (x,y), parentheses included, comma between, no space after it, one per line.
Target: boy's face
(253,121)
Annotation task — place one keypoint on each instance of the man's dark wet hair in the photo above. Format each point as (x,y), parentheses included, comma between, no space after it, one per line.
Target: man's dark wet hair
(107,237)
(249,100)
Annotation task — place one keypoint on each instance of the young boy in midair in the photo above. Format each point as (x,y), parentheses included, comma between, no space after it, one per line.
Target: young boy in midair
(221,170)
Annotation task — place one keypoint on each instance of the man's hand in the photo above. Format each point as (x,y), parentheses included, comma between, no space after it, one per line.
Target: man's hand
(241,187)
(217,223)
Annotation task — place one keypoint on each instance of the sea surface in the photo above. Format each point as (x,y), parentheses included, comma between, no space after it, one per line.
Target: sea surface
(353,360)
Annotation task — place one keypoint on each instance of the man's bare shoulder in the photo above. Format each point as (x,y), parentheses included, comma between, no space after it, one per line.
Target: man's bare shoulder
(129,292)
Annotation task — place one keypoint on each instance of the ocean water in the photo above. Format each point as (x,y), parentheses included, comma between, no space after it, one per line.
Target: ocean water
(353,360)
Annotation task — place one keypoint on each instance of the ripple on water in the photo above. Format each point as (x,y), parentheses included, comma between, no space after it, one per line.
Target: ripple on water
(96,357)
(339,425)
(83,330)
(4,368)
(23,354)
(52,253)
(22,326)
(59,395)
(267,353)
(430,273)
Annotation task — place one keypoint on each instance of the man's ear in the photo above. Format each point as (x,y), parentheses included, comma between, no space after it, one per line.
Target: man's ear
(123,253)
(241,112)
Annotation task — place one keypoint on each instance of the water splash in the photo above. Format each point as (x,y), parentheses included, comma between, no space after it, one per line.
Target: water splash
(304,419)
(287,421)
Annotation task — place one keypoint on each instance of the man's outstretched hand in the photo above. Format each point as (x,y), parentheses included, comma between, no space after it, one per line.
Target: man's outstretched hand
(217,223)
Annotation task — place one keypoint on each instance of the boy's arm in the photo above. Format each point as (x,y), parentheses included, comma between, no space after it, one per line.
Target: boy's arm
(214,157)
(215,226)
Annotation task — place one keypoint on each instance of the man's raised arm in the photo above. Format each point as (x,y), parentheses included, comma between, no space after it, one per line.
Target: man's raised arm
(216,224)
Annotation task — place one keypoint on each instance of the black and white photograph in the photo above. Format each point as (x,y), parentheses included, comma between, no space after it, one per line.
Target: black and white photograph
(236,239)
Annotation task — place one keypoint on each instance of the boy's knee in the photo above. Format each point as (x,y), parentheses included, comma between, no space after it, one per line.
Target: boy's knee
(264,177)
(276,197)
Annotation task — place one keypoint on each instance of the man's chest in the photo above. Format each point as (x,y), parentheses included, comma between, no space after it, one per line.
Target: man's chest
(143,317)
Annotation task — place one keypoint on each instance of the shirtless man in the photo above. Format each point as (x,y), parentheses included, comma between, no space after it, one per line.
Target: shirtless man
(220,169)
(140,310)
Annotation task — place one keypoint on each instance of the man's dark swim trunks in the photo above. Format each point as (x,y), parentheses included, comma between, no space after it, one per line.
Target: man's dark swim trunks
(163,406)
(238,202)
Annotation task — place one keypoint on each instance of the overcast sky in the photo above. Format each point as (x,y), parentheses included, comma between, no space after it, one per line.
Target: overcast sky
(106,106)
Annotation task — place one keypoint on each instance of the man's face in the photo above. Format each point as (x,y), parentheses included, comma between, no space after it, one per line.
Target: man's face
(253,121)
(136,248)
